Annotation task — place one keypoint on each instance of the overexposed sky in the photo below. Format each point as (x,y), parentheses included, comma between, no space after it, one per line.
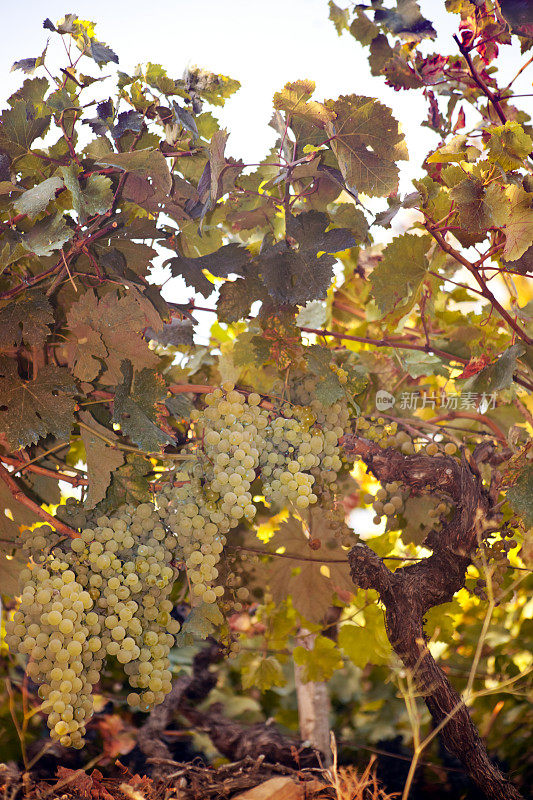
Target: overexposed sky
(263,45)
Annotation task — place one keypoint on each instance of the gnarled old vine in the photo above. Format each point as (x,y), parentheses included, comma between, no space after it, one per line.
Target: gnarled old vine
(411,591)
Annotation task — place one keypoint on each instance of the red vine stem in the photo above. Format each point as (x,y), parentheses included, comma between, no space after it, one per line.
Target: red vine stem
(21,498)
(485,291)
(74,480)
(480,82)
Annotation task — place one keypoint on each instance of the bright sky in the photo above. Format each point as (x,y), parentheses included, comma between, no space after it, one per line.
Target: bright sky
(262,45)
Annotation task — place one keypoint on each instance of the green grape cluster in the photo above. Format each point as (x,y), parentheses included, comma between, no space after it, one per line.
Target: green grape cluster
(213,496)
(103,594)
(388,501)
(288,455)
(494,565)
(237,441)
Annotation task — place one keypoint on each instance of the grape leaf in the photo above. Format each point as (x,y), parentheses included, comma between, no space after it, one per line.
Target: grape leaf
(339,16)
(110,328)
(296,274)
(135,407)
(20,126)
(47,235)
(27,319)
(367,143)
(509,145)
(320,662)
(519,225)
(129,484)
(35,200)
(101,459)
(520,496)
(175,333)
(261,672)
(368,644)
(30,410)
(235,298)
(398,277)
(227,260)
(95,198)
(474,206)
(201,622)
(295,100)
(406,21)
(499,375)
(150,163)
(12,515)
(101,53)
(312,580)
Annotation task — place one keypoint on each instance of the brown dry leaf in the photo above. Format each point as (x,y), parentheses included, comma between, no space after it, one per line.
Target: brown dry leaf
(313,580)
(119,737)
(87,787)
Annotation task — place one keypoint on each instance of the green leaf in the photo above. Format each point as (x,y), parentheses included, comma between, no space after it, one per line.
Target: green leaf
(202,621)
(101,53)
(235,298)
(347,215)
(101,459)
(95,198)
(35,200)
(13,516)
(295,100)
(262,672)
(509,145)
(499,375)
(399,74)
(213,88)
(416,516)
(339,16)
(520,496)
(251,349)
(149,163)
(296,273)
(227,260)
(367,143)
(475,211)
(398,277)
(136,407)
(519,224)
(20,126)
(320,662)
(454,150)
(368,644)
(27,320)
(129,484)
(319,360)
(406,21)
(47,235)
(31,410)
(362,28)
(380,53)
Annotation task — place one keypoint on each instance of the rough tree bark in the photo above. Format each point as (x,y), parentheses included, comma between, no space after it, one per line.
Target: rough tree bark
(411,591)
